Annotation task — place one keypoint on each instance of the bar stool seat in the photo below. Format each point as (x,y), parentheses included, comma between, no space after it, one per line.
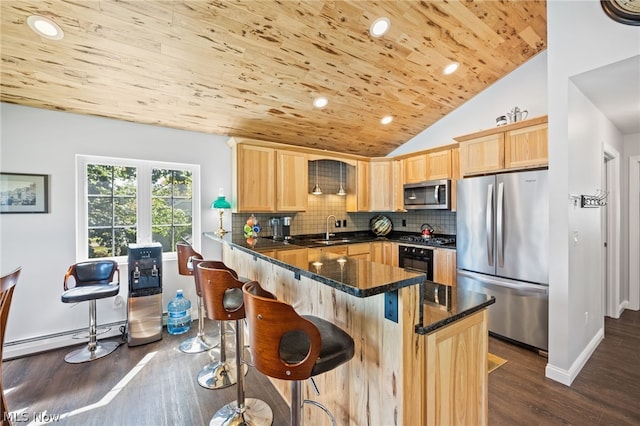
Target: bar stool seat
(90,281)
(224,301)
(288,346)
(200,342)
(336,347)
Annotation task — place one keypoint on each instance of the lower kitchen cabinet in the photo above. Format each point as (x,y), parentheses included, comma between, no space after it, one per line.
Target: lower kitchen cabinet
(359,251)
(296,257)
(382,252)
(339,250)
(444,266)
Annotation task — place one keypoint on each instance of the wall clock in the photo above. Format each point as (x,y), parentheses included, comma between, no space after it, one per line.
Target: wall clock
(624,11)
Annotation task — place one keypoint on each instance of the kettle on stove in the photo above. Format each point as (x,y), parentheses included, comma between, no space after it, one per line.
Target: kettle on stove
(426,230)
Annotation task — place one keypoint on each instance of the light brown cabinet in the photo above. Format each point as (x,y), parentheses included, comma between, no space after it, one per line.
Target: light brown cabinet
(526,147)
(519,145)
(398,182)
(415,168)
(482,155)
(358,188)
(291,181)
(339,250)
(359,251)
(444,266)
(439,165)
(455,175)
(267,179)
(456,374)
(428,166)
(381,187)
(296,257)
(382,252)
(255,168)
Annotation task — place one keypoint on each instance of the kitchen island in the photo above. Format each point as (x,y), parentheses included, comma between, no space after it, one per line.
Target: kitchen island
(421,348)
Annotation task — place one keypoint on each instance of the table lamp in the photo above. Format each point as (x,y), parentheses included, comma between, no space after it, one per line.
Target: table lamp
(220,203)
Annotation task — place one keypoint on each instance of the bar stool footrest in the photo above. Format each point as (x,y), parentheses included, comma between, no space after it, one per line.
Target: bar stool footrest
(323,408)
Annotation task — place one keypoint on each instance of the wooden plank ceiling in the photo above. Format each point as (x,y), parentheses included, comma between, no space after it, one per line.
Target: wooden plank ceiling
(252,68)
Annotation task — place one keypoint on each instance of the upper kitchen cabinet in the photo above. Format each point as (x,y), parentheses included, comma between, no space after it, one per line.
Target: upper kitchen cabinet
(381,190)
(518,145)
(526,147)
(291,181)
(455,175)
(358,188)
(266,179)
(439,165)
(430,165)
(415,168)
(254,177)
(398,182)
(377,186)
(482,154)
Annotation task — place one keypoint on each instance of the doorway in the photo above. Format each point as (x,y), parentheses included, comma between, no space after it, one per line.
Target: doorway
(610,220)
(634,231)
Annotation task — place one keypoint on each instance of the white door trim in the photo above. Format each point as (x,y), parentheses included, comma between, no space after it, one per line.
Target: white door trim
(634,225)
(613,308)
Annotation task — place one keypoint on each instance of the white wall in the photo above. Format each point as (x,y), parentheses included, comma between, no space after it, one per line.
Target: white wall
(580,38)
(631,219)
(526,87)
(46,142)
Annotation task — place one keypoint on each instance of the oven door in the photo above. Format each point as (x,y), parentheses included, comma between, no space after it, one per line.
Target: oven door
(416,259)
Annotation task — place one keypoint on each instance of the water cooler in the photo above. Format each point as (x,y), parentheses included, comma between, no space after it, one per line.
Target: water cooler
(144,306)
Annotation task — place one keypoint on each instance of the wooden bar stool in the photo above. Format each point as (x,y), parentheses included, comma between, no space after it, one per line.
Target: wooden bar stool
(7,286)
(287,346)
(222,294)
(200,342)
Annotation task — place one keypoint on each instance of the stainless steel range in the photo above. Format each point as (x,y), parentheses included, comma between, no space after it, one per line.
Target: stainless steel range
(432,241)
(416,259)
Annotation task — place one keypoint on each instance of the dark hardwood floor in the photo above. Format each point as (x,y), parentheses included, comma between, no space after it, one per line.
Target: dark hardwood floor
(606,392)
(155,384)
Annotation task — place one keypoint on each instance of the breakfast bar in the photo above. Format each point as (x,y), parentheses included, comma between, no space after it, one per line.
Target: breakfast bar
(420,347)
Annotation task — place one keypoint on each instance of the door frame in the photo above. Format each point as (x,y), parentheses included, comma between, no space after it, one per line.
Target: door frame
(612,283)
(634,229)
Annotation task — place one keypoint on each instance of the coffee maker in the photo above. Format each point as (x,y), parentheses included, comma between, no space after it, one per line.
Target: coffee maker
(286,227)
(275,223)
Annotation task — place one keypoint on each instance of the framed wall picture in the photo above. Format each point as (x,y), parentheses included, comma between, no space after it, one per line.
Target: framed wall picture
(24,193)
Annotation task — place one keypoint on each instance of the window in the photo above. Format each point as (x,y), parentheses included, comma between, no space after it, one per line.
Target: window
(132,201)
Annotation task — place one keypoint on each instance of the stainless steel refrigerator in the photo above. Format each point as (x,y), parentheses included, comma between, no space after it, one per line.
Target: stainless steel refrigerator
(502,250)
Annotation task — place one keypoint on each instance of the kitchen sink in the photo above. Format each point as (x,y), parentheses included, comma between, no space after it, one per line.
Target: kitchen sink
(332,242)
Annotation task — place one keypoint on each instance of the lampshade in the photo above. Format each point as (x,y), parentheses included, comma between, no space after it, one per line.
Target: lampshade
(220,203)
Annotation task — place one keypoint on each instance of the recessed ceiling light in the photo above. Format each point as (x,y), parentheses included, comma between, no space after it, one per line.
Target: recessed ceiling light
(386,119)
(451,68)
(320,102)
(379,27)
(45,27)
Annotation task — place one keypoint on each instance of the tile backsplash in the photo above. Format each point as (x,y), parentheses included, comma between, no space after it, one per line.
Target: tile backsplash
(313,221)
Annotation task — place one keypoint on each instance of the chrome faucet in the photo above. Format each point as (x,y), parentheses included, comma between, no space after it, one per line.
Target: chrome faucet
(329,217)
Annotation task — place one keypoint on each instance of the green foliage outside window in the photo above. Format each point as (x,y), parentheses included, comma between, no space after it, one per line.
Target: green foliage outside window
(113,207)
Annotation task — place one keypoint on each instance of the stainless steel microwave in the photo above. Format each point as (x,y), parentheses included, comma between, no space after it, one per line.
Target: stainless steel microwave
(433,194)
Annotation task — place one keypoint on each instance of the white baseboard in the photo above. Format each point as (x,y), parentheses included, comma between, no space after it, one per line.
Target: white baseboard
(25,347)
(20,348)
(566,377)
(622,306)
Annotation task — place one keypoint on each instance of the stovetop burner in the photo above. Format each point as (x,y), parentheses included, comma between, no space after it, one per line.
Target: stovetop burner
(433,241)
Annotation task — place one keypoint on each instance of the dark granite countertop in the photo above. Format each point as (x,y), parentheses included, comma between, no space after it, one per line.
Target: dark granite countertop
(357,277)
(342,238)
(443,305)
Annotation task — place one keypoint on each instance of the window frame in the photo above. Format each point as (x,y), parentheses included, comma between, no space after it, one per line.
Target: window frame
(143,200)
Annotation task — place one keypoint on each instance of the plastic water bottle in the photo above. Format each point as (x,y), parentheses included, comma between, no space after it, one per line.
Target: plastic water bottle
(179,314)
